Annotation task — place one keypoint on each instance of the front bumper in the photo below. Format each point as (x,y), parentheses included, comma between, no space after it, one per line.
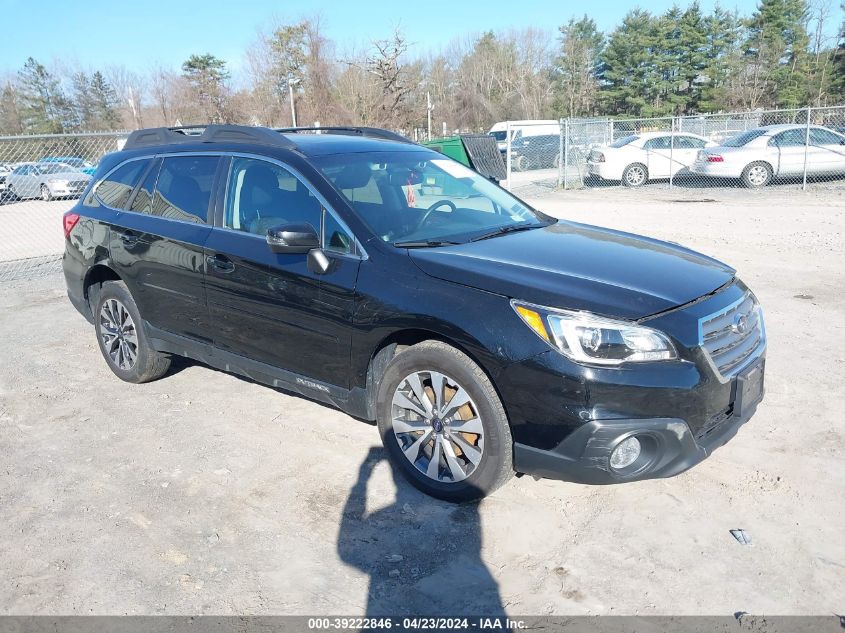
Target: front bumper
(669,448)
(567,418)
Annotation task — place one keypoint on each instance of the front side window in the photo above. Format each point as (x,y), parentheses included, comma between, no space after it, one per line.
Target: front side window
(263,195)
(790,138)
(819,136)
(183,189)
(422,196)
(115,190)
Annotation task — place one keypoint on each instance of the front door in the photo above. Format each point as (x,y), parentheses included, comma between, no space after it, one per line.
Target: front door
(271,307)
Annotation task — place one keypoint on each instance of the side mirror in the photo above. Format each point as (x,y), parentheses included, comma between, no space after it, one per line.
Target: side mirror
(292,238)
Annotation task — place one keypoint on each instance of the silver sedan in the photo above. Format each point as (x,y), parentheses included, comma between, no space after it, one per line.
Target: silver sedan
(761,154)
(46,181)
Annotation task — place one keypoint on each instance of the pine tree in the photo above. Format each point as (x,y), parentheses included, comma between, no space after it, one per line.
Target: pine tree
(629,71)
(721,57)
(207,74)
(578,66)
(44,108)
(10,115)
(104,103)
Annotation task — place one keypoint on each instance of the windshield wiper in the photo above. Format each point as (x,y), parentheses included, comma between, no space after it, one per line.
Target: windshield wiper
(424,243)
(503,230)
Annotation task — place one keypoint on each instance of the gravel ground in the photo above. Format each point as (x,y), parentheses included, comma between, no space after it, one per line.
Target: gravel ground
(207,493)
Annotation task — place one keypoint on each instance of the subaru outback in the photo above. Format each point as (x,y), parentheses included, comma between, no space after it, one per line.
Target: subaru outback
(358,269)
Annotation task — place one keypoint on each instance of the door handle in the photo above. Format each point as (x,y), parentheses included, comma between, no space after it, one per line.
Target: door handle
(220,263)
(129,239)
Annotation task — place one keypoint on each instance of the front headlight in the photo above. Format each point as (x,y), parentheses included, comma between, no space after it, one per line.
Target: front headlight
(588,338)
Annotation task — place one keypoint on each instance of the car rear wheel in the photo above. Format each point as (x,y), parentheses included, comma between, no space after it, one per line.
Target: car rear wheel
(120,334)
(757,175)
(46,194)
(635,175)
(443,424)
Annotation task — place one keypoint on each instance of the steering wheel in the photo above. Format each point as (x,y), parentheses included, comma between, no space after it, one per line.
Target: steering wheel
(431,210)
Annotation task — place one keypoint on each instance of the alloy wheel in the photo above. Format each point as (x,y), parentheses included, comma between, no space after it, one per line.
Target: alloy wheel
(635,176)
(758,175)
(45,193)
(437,426)
(117,330)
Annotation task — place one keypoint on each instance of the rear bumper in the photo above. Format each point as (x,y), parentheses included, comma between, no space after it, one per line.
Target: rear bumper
(717,170)
(604,170)
(584,456)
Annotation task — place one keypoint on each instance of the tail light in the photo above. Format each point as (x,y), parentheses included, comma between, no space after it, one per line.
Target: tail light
(715,158)
(69,221)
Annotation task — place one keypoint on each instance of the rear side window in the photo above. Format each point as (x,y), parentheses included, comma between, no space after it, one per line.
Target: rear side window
(819,136)
(184,187)
(143,202)
(790,138)
(622,142)
(116,189)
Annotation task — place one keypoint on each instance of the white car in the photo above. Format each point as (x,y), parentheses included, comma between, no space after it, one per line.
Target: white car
(761,154)
(46,181)
(638,158)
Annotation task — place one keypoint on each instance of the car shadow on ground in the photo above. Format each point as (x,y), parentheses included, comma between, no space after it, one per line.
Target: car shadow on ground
(422,556)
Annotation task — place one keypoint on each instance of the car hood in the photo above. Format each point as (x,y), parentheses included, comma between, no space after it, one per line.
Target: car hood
(580,267)
(68,175)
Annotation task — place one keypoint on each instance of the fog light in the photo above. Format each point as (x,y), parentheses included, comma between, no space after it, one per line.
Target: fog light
(625,454)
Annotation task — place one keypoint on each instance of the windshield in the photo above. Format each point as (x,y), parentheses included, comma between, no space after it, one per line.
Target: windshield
(424,197)
(501,135)
(55,168)
(741,139)
(622,142)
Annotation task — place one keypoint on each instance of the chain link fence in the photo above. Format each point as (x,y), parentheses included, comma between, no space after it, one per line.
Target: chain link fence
(40,178)
(800,148)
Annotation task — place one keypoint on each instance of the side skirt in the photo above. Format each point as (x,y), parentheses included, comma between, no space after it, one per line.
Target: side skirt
(353,402)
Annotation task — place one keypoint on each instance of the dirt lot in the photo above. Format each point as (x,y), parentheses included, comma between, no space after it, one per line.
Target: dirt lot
(206,493)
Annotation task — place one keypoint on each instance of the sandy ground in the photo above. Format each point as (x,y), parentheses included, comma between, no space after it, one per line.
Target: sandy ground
(206,493)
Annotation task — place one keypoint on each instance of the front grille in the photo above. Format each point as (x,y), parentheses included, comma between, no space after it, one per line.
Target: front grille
(734,335)
(77,184)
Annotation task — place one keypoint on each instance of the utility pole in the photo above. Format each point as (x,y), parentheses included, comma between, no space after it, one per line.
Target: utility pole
(292,105)
(428,108)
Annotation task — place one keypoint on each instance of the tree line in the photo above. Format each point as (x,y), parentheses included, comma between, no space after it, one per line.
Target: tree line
(684,61)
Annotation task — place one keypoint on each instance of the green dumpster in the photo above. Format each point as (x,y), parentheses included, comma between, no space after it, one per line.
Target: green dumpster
(477,151)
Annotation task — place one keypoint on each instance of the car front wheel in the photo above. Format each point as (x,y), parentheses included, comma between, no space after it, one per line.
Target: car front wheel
(122,339)
(46,194)
(443,424)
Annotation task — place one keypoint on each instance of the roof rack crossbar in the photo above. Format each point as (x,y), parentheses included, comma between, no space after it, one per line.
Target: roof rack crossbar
(372,132)
(210,134)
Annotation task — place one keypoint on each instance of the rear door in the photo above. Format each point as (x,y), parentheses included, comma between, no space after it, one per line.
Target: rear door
(271,307)
(657,156)
(157,245)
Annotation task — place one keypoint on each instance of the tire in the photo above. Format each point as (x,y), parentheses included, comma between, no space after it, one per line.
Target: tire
(470,464)
(520,163)
(635,175)
(556,162)
(757,175)
(128,353)
(46,194)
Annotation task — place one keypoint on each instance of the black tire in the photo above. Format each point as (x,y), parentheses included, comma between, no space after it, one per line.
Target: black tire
(757,175)
(635,175)
(148,364)
(520,163)
(46,194)
(495,466)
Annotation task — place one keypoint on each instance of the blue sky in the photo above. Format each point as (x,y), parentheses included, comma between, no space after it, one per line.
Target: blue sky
(149,33)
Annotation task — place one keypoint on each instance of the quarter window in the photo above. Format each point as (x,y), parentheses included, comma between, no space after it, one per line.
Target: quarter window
(262,195)
(184,187)
(115,190)
(143,202)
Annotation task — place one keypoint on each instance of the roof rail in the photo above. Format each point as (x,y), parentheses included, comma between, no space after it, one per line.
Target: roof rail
(372,132)
(206,134)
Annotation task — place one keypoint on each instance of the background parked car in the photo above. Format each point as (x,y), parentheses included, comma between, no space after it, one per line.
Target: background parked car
(522,129)
(638,158)
(534,152)
(761,154)
(47,181)
(4,187)
(86,167)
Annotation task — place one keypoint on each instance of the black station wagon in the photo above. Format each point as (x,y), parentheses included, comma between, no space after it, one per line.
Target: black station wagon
(358,269)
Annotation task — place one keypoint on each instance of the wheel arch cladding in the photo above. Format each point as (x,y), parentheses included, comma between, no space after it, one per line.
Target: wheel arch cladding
(96,276)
